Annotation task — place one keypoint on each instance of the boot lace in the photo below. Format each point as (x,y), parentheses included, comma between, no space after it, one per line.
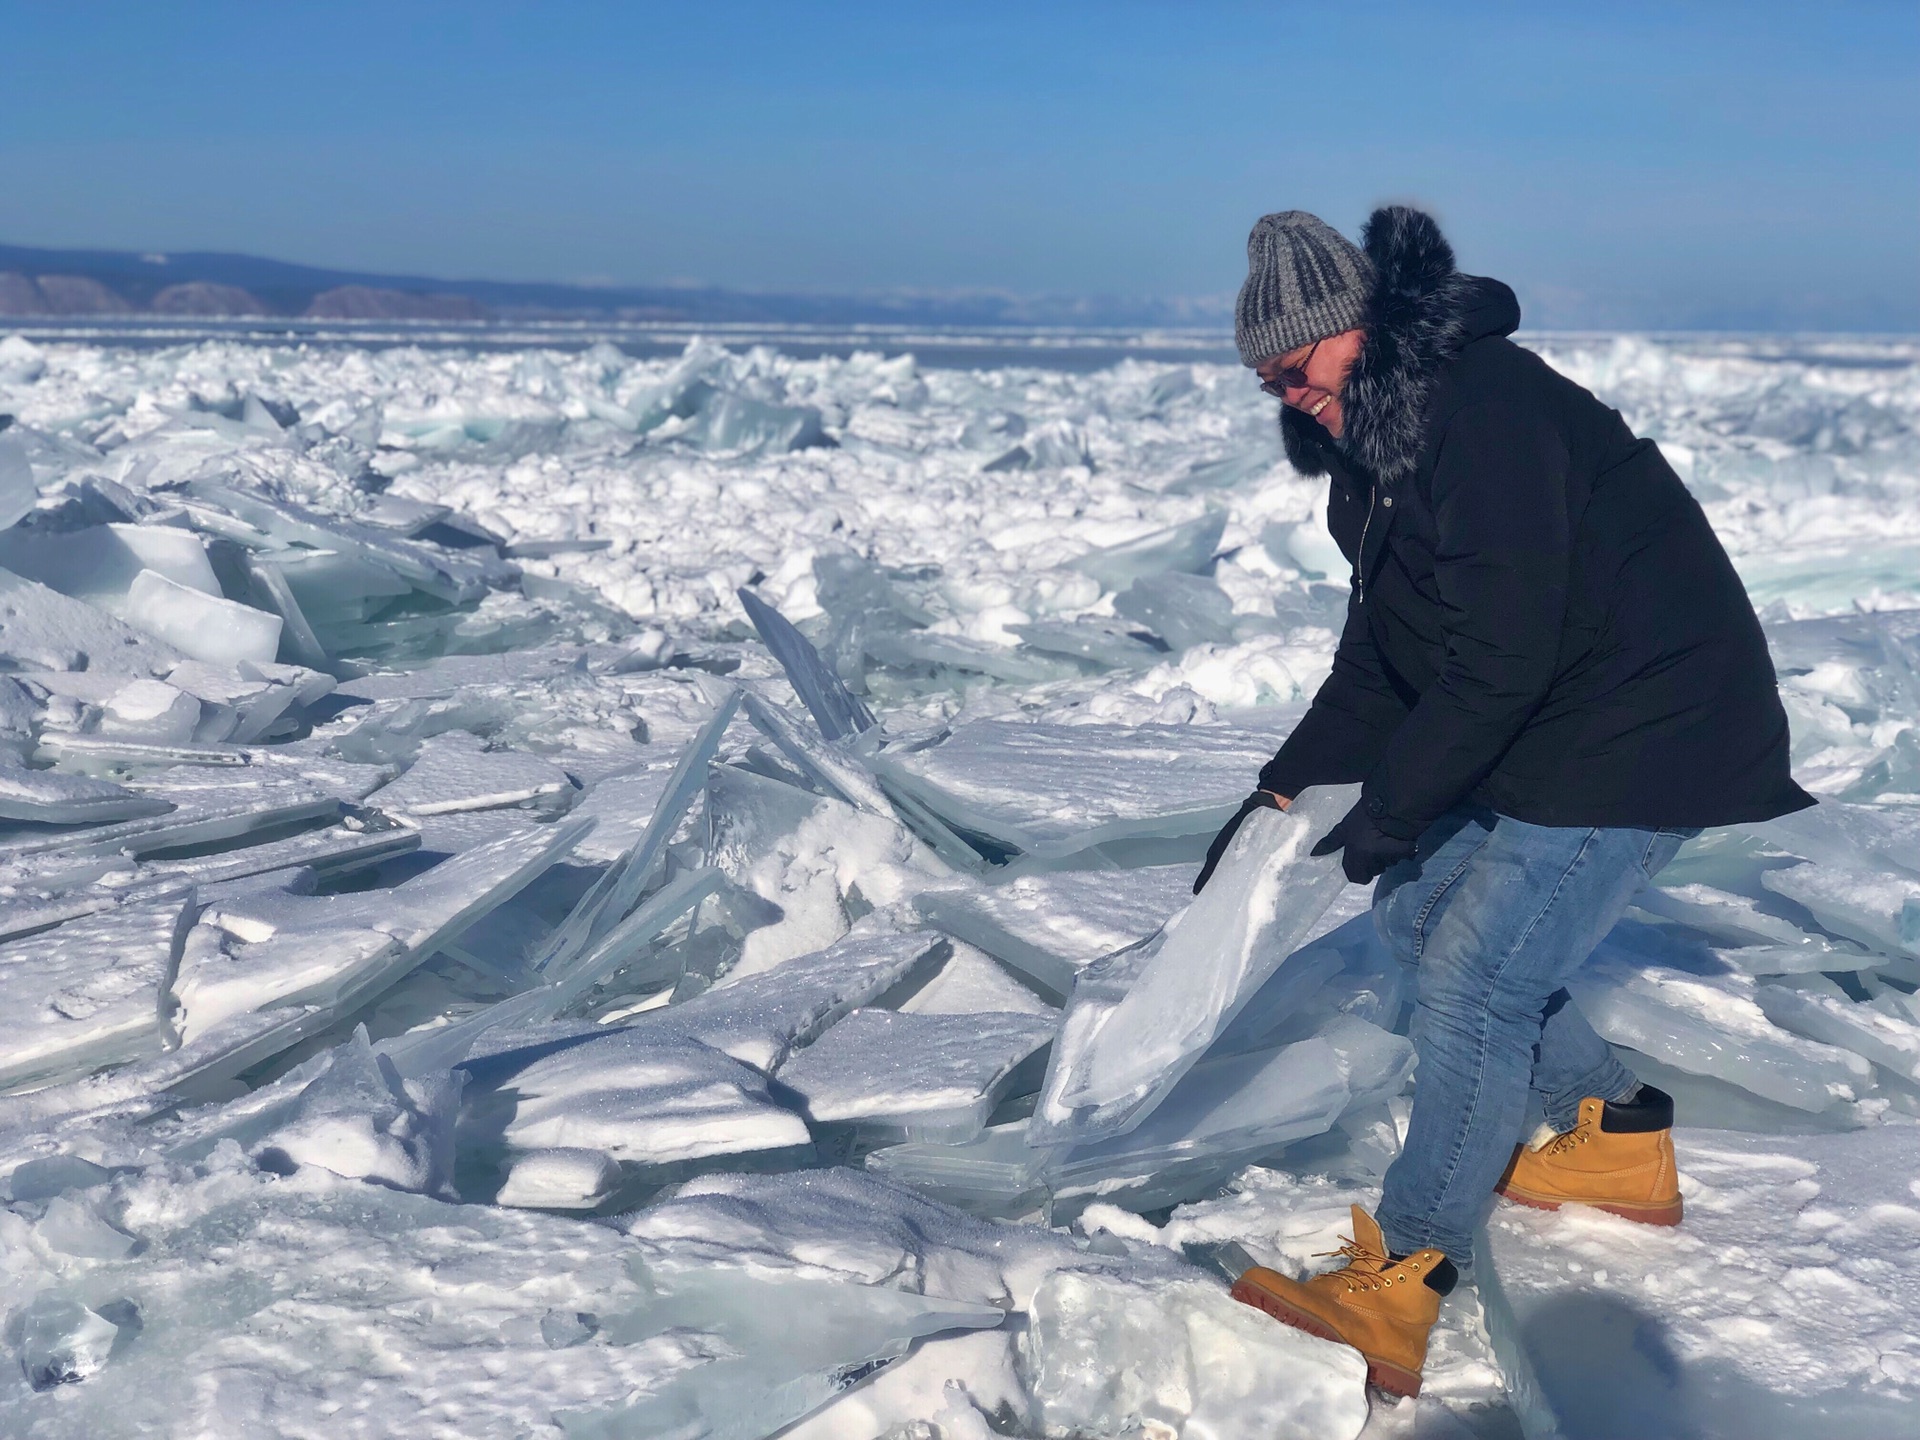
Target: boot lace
(1567,1139)
(1361,1262)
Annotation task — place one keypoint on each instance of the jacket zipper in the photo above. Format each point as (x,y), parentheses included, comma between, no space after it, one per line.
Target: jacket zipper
(1360,556)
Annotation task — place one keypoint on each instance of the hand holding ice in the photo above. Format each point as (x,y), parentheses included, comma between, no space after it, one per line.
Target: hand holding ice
(1125,1043)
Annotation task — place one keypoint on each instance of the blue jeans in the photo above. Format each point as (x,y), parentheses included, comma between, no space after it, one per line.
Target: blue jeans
(1497,914)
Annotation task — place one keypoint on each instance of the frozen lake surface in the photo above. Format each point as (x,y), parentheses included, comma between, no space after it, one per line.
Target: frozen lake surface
(466,970)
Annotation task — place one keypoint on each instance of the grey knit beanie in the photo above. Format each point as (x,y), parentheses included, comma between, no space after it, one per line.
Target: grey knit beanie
(1305,281)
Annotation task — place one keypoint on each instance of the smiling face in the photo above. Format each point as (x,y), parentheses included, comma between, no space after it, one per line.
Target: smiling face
(1323,365)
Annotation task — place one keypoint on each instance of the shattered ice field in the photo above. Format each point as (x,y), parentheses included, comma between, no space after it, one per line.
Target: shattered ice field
(544,893)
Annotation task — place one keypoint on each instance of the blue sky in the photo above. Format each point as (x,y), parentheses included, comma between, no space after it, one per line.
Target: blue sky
(1750,164)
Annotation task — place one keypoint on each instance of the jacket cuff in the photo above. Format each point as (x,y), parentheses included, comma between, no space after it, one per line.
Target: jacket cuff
(1384,820)
(1285,776)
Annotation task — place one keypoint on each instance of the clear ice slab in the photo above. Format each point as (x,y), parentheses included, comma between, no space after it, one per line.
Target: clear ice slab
(1139,1020)
(51,798)
(642,1099)
(90,993)
(205,627)
(1227,1112)
(759,1019)
(1185,549)
(458,772)
(893,1077)
(1183,610)
(1820,1010)
(1230,1110)
(99,563)
(766,1371)
(209,803)
(1636,991)
(1051,926)
(1050,790)
(309,959)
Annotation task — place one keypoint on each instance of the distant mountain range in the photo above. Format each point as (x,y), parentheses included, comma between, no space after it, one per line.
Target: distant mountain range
(208,284)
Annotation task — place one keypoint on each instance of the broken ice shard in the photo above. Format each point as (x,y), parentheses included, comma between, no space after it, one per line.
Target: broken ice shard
(923,649)
(834,708)
(1761,943)
(1103,642)
(51,1175)
(89,993)
(1183,610)
(210,802)
(1707,1024)
(316,957)
(456,578)
(997,1175)
(651,1102)
(1230,1110)
(1186,549)
(771,1371)
(59,1340)
(622,804)
(913,1077)
(51,798)
(1225,1113)
(1820,1010)
(18,493)
(615,952)
(831,768)
(204,626)
(1140,1020)
(361,1120)
(1051,926)
(1050,791)
(1867,905)
(618,891)
(457,772)
(759,1018)
(71,1227)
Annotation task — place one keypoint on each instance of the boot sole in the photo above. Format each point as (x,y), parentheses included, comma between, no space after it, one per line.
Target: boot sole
(1655,1212)
(1380,1374)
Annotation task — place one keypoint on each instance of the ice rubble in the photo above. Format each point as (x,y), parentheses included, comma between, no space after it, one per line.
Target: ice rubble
(439,788)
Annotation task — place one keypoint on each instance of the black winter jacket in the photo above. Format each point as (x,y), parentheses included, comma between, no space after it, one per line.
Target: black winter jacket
(1542,620)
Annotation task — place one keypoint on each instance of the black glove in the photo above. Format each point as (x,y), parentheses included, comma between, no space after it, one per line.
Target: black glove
(1369,848)
(1258,800)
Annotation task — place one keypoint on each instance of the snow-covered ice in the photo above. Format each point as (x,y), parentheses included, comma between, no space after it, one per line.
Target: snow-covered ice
(1776,1309)
(522,871)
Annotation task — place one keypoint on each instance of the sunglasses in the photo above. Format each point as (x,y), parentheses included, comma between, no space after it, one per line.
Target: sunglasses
(1290,377)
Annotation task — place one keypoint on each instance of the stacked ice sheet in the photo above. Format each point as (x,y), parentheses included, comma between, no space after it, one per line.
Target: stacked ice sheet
(405,821)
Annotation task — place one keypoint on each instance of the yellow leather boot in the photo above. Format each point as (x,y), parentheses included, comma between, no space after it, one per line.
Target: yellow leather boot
(1380,1306)
(1618,1158)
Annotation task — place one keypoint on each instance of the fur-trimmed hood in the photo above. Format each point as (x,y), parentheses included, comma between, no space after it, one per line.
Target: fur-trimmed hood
(1420,313)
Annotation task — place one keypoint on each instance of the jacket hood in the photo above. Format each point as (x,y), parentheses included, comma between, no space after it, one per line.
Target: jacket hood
(1419,314)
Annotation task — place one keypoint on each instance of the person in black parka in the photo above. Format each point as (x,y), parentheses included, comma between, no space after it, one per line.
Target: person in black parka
(1550,676)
